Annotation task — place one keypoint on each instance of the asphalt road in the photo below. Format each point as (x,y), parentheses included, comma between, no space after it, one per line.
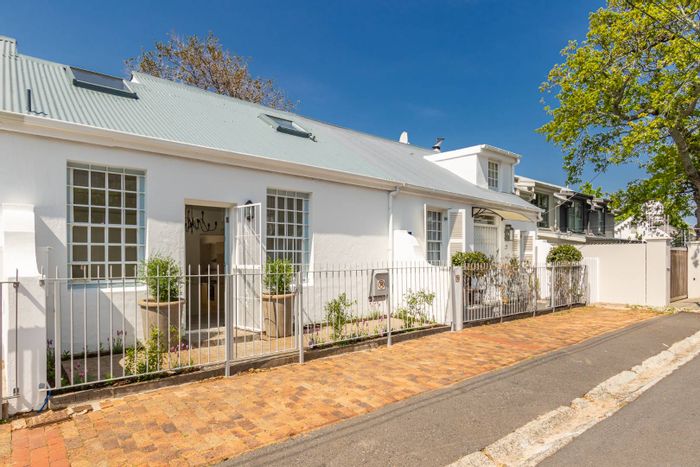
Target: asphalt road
(439,427)
(659,428)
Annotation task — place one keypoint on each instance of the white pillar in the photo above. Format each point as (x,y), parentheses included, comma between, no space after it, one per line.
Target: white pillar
(23,310)
(694,269)
(658,272)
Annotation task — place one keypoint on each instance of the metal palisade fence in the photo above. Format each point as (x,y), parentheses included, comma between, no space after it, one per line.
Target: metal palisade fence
(103,329)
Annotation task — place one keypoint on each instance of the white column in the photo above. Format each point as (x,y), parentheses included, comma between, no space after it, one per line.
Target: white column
(693,269)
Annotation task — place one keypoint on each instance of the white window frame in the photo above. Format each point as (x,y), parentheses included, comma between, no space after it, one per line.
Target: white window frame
(278,222)
(497,167)
(434,237)
(84,212)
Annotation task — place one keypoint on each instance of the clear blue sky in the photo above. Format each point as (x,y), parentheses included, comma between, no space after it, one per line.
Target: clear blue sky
(467,70)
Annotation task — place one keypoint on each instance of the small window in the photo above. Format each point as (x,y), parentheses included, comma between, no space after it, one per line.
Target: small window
(284,125)
(541,200)
(101,82)
(493,175)
(288,227)
(433,233)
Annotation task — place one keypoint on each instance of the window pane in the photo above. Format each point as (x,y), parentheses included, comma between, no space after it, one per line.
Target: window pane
(97,215)
(115,235)
(130,270)
(97,253)
(115,181)
(81,178)
(115,270)
(80,253)
(97,197)
(97,235)
(130,182)
(80,196)
(81,214)
(130,236)
(115,198)
(97,179)
(77,271)
(130,253)
(79,234)
(98,271)
(130,200)
(129,217)
(115,253)
(115,216)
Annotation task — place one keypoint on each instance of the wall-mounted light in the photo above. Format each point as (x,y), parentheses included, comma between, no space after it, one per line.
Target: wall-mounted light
(249,211)
(508,232)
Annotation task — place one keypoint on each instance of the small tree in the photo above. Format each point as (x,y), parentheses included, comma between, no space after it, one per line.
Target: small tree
(161,274)
(338,314)
(279,274)
(564,254)
(204,63)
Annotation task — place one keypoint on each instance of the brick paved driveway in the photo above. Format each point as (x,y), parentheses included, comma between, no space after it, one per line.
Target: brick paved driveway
(212,420)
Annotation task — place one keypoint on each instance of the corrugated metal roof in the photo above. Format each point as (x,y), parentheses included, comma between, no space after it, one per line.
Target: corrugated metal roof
(180,113)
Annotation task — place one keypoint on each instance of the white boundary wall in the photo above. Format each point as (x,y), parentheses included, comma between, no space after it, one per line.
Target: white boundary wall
(630,274)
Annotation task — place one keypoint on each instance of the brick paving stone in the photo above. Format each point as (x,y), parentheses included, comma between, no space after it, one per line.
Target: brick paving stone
(209,421)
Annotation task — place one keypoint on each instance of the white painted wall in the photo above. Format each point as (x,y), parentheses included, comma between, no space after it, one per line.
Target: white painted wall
(631,274)
(693,269)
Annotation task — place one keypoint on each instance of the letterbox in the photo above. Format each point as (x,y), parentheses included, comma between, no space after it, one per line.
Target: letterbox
(379,287)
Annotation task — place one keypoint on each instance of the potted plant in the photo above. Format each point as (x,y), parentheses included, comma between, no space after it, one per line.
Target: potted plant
(278,298)
(475,265)
(163,306)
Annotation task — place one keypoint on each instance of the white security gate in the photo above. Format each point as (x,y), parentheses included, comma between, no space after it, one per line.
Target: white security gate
(248,264)
(486,239)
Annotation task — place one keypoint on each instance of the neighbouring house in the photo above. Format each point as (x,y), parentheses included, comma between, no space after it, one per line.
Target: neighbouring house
(98,173)
(653,224)
(568,217)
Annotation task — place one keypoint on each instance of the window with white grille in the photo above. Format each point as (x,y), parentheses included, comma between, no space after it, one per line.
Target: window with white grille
(433,227)
(493,175)
(288,227)
(106,221)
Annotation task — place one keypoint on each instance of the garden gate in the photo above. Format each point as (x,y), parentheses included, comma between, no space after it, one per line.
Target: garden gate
(679,273)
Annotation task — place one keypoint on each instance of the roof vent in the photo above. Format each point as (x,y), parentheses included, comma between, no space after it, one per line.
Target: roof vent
(438,144)
(404,137)
(284,125)
(101,82)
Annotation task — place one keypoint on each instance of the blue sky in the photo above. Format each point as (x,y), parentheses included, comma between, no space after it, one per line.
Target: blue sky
(466,70)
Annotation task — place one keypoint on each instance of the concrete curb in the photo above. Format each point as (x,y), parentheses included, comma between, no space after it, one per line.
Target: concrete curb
(542,437)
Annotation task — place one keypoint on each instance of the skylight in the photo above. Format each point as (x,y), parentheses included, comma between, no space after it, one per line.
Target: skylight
(100,82)
(284,125)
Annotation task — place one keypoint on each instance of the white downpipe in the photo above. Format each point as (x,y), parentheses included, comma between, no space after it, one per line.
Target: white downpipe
(392,194)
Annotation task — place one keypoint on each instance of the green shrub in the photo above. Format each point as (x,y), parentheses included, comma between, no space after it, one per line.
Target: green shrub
(338,314)
(564,254)
(279,274)
(464,258)
(415,308)
(161,274)
(148,357)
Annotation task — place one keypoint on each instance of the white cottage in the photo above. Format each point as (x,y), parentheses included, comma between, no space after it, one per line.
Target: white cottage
(97,173)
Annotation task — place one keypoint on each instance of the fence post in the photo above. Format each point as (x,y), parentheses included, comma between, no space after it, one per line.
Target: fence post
(227,325)
(392,276)
(457,298)
(300,317)
(552,275)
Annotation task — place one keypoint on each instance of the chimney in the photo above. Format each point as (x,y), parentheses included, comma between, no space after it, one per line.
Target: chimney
(438,143)
(404,137)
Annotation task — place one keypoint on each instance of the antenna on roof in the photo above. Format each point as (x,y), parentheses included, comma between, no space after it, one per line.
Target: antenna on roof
(404,137)
(438,143)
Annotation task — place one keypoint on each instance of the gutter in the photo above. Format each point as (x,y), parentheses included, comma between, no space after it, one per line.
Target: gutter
(58,129)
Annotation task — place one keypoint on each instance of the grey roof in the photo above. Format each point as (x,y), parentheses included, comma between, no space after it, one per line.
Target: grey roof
(176,112)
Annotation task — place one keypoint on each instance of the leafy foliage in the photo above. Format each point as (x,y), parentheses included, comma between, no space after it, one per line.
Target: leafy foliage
(338,314)
(629,94)
(148,357)
(414,309)
(564,254)
(279,274)
(204,63)
(161,274)
(463,258)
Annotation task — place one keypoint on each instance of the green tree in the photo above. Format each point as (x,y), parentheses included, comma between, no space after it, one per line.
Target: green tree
(629,94)
(204,63)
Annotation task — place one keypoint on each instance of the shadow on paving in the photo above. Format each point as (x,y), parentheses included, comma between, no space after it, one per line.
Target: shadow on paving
(441,426)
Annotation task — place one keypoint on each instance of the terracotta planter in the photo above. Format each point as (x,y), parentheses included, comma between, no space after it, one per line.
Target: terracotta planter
(278,313)
(161,314)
